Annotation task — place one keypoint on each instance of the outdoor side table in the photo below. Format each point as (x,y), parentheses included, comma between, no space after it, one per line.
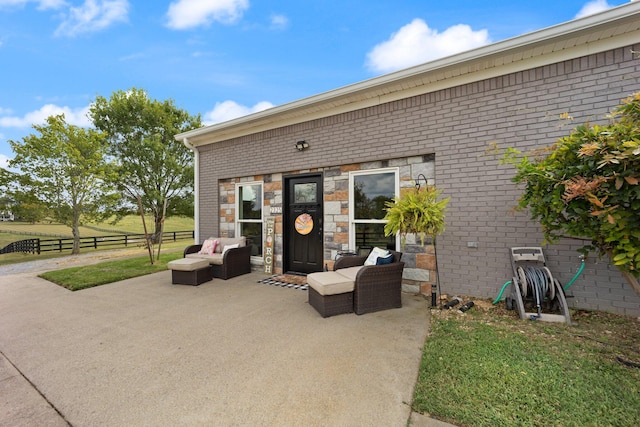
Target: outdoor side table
(189,271)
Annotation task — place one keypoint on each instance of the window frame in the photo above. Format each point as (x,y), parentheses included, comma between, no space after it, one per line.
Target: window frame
(352,220)
(239,221)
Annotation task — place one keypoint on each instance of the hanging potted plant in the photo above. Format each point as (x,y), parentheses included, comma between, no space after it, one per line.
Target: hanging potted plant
(416,212)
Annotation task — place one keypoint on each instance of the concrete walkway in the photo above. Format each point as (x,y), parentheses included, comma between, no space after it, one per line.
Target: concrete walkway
(143,352)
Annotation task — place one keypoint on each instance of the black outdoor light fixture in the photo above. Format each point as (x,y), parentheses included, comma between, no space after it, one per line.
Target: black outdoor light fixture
(418,181)
(302,145)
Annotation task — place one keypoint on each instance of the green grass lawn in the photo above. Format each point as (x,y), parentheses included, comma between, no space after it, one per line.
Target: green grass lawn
(130,224)
(88,276)
(489,368)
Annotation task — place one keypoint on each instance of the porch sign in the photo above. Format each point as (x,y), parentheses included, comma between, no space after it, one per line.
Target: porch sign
(268,247)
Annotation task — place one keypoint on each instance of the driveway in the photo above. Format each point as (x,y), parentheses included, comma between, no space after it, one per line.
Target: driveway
(144,352)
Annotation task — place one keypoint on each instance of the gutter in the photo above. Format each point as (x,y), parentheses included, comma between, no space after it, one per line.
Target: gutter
(196,188)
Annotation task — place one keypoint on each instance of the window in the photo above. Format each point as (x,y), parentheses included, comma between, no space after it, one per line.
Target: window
(368,192)
(249,214)
(305,193)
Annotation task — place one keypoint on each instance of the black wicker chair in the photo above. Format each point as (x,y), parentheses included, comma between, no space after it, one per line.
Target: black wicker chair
(377,287)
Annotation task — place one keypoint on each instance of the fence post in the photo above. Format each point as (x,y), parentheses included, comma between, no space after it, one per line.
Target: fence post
(95,242)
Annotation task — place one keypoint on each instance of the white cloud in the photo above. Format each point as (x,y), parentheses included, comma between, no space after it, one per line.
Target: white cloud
(279,22)
(184,14)
(228,110)
(4,161)
(93,15)
(78,117)
(594,6)
(416,43)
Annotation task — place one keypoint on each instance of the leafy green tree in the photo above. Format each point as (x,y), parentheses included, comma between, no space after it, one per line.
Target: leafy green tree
(64,168)
(151,165)
(587,187)
(20,197)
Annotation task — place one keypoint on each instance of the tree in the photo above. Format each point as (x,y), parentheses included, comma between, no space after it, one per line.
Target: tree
(151,165)
(20,197)
(64,168)
(587,187)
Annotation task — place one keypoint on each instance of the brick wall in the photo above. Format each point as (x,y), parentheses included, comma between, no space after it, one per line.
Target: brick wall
(521,110)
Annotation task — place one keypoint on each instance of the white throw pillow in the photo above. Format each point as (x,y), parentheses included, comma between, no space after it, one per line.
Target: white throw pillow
(227,247)
(373,256)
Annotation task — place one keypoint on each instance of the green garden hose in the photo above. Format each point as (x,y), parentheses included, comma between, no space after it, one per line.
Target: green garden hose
(497,300)
(576,276)
(567,286)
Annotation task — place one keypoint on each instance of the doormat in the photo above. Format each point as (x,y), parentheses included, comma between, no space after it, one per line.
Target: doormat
(291,281)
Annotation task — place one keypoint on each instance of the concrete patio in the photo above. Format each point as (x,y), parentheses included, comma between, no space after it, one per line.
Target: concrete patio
(146,352)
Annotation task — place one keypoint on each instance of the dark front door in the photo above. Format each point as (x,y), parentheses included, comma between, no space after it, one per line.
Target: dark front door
(303,218)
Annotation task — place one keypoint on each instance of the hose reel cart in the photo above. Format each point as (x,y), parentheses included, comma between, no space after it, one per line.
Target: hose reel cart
(534,285)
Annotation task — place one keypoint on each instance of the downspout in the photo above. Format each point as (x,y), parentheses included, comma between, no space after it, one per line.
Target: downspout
(196,188)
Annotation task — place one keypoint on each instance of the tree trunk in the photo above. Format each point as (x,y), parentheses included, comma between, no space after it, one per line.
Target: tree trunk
(144,225)
(158,225)
(164,211)
(75,230)
(630,278)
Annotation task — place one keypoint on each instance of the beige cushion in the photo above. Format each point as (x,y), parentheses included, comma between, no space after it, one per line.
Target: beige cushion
(211,259)
(330,283)
(187,264)
(350,272)
(224,241)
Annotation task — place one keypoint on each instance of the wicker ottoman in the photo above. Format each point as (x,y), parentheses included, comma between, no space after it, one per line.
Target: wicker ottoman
(330,293)
(189,271)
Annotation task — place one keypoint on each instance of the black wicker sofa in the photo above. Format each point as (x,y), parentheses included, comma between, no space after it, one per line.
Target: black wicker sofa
(232,262)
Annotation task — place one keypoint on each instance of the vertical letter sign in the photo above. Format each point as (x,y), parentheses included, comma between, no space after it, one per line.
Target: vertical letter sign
(268,246)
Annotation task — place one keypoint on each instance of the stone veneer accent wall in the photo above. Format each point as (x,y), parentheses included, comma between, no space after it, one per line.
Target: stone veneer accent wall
(420,266)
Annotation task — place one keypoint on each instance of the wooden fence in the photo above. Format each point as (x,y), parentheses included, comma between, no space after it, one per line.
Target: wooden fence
(37,246)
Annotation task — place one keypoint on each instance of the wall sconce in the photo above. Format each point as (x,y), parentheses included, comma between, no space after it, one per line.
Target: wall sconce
(302,145)
(418,181)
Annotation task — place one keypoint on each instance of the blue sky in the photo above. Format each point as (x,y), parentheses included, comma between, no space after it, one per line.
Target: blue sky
(226,58)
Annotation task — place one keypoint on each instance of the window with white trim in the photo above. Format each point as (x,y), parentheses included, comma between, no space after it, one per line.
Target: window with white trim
(249,211)
(368,192)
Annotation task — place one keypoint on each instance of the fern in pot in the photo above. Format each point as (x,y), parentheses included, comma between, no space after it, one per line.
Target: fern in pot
(416,212)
